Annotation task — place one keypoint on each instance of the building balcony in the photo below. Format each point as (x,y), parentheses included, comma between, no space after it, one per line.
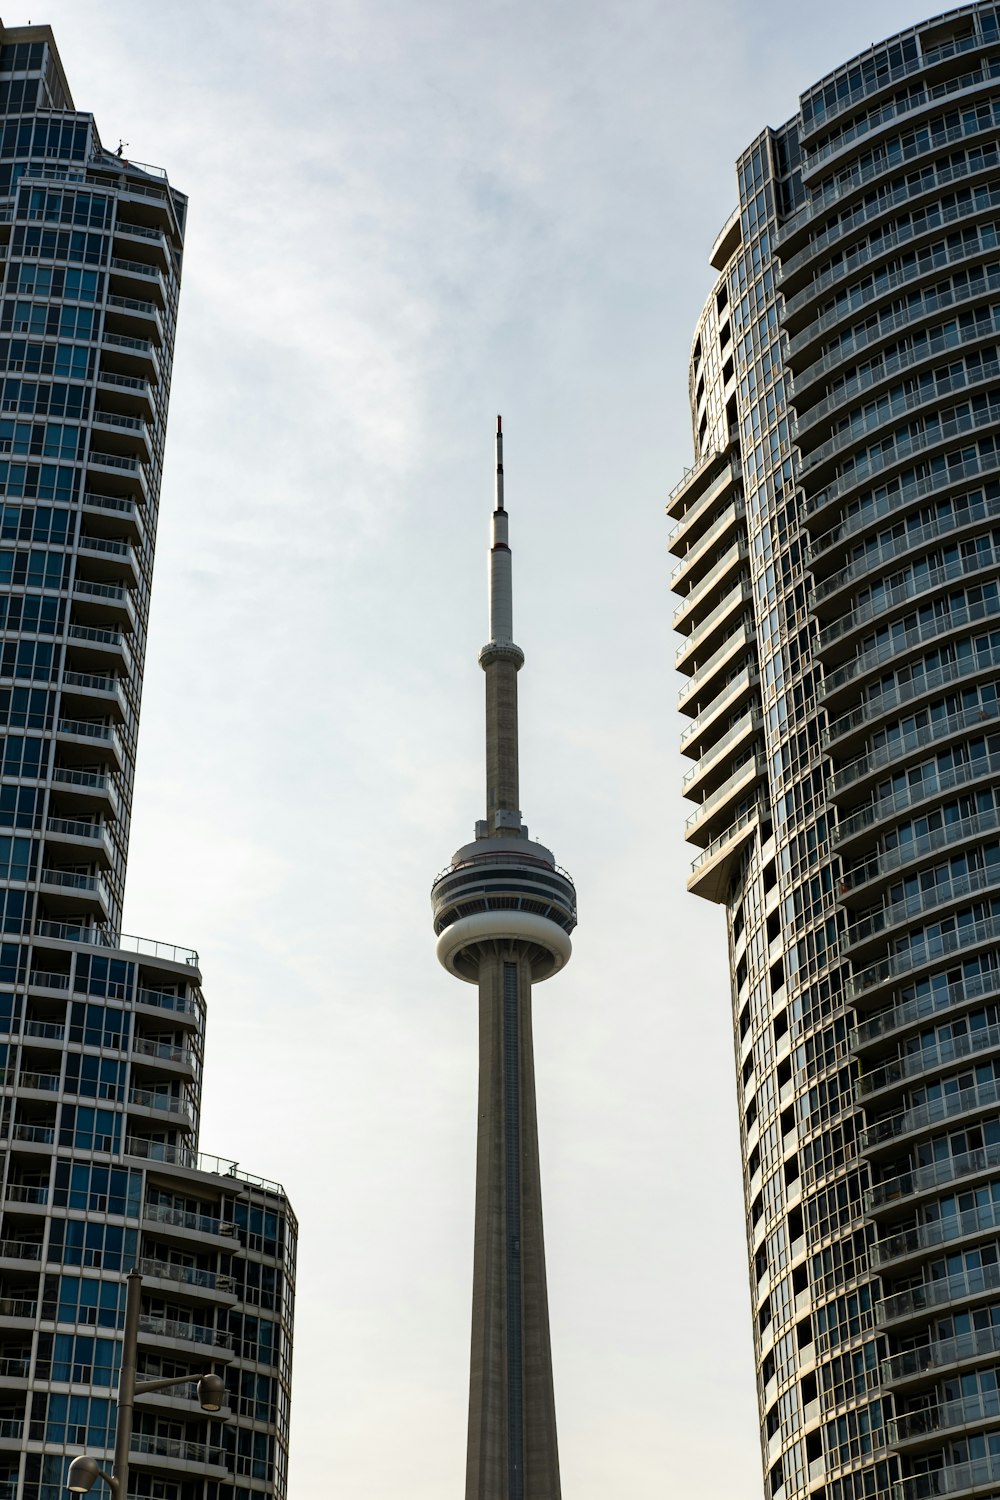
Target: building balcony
(130,394)
(708,679)
(73,891)
(83,691)
(164,1052)
(917,1301)
(191,1457)
(921,1180)
(865,341)
(700,601)
(190,1278)
(849,780)
(915,1241)
(168,1218)
(93,737)
(99,646)
(691,493)
(122,473)
(908,963)
(913,1013)
(173,1330)
(180,1006)
(870,516)
(702,776)
(857,303)
(717,811)
(854,727)
(168,1153)
(977,1477)
(147,242)
(84,788)
(881,558)
(137,278)
(712,871)
(21,1250)
(124,435)
(73,834)
(872,928)
(105,557)
(718,624)
(888,1133)
(883,867)
(861,824)
(180,1111)
(729,526)
(741,689)
(938,1356)
(115,515)
(834,638)
(123,354)
(103,603)
(134,315)
(943,1054)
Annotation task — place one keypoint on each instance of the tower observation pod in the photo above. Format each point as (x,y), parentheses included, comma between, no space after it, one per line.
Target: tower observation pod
(503,914)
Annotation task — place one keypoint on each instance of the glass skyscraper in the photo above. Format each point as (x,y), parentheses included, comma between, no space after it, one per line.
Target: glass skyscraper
(101,1035)
(838,546)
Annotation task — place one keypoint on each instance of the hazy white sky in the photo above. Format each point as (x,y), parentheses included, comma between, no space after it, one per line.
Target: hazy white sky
(406,216)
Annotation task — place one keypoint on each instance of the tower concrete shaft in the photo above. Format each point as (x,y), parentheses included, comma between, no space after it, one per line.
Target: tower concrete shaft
(503,913)
(513,1452)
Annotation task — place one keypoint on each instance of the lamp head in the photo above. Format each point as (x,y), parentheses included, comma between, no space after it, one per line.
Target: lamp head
(82,1473)
(212,1393)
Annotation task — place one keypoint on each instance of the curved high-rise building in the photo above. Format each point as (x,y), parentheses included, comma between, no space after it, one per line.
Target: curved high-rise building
(503,914)
(102,1035)
(838,546)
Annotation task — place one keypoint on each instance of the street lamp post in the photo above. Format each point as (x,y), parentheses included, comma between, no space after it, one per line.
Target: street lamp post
(84,1470)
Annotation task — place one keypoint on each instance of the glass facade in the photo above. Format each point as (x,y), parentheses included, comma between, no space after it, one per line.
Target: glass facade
(838,545)
(101,1035)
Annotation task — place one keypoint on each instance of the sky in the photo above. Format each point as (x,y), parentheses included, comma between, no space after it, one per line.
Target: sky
(406,217)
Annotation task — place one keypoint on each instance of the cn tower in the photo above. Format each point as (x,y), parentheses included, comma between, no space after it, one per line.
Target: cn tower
(503,913)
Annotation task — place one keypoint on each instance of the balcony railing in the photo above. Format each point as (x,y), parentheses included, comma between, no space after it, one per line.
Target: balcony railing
(973,987)
(150,1099)
(942,780)
(907,692)
(953,888)
(934,1174)
(170,1328)
(946,1050)
(178,1448)
(980,1095)
(953,1479)
(937,1232)
(165,1270)
(941,1354)
(899,746)
(172,1155)
(918,954)
(165,1213)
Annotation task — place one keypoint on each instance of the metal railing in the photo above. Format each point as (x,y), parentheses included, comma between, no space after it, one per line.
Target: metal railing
(901,745)
(170,1328)
(973,987)
(921,1116)
(904,853)
(915,266)
(166,1270)
(907,446)
(890,548)
(924,952)
(934,1174)
(934,1233)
